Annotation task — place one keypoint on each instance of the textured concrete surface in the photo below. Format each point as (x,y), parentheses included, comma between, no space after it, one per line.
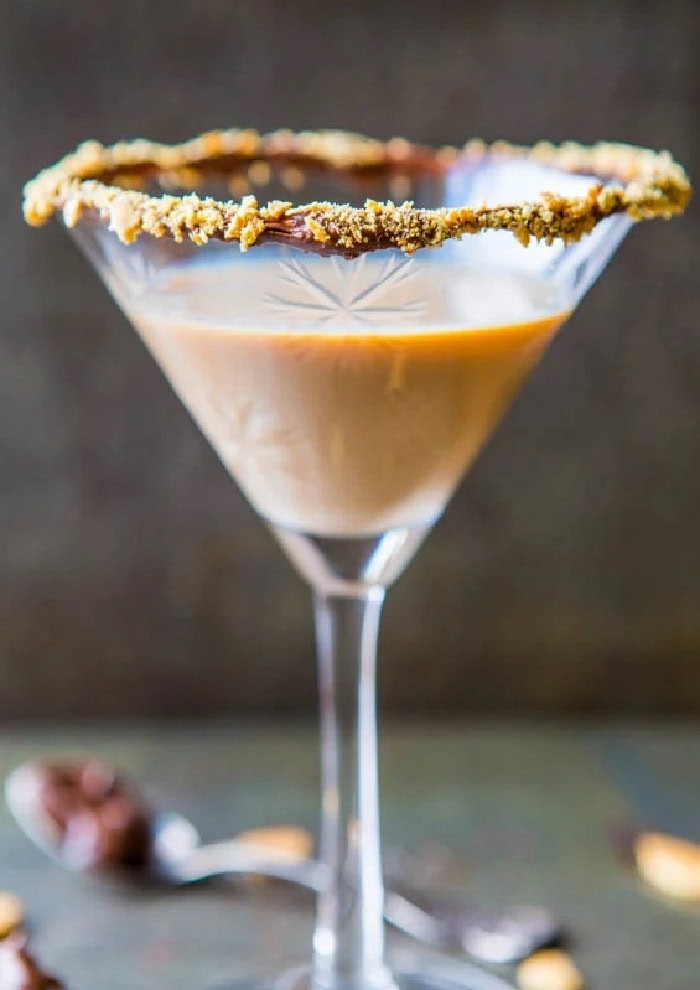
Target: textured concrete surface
(521,816)
(565,575)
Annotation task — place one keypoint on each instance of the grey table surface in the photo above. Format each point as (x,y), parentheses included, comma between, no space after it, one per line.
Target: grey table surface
(530,812)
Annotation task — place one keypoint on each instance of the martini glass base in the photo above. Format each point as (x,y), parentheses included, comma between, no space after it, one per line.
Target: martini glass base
(408,970)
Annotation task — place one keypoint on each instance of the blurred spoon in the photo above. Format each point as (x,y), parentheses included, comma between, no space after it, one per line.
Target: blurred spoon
(178,857)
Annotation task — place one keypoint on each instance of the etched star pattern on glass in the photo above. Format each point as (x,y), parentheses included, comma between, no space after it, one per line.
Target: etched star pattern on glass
(370,294)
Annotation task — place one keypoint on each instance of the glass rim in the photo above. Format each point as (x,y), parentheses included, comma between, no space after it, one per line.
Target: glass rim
(109,181)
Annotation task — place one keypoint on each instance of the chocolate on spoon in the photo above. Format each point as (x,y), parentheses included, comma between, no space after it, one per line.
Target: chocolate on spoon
(81,813)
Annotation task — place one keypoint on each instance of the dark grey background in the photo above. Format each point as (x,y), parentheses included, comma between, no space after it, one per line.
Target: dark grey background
(565,576)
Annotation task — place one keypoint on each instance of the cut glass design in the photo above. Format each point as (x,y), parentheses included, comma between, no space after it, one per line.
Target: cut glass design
(335,294)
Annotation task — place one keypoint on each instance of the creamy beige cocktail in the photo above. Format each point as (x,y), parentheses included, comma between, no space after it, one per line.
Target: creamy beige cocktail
(354,418)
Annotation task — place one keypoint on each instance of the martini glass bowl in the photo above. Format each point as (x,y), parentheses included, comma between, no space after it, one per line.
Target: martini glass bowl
(347,396)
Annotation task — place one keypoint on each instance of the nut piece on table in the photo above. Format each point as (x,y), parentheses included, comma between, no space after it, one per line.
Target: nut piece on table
(11,914)
(277,843)
(288,843)
(670,864)
(19,970)
(549,969)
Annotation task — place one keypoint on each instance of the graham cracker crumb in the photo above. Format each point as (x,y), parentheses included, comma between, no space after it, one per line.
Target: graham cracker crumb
(628,180)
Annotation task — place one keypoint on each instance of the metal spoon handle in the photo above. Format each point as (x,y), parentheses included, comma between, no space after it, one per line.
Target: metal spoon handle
(232,858)
(494,936)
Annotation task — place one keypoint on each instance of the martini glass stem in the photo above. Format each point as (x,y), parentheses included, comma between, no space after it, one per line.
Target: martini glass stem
(349,936)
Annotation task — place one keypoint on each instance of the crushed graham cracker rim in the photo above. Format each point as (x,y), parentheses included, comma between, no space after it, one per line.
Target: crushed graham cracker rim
(104,181)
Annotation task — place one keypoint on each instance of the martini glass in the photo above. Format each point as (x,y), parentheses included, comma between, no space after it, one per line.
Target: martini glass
(347,396)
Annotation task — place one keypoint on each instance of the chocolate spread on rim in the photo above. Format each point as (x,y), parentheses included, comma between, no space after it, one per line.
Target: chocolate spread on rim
(109,181)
